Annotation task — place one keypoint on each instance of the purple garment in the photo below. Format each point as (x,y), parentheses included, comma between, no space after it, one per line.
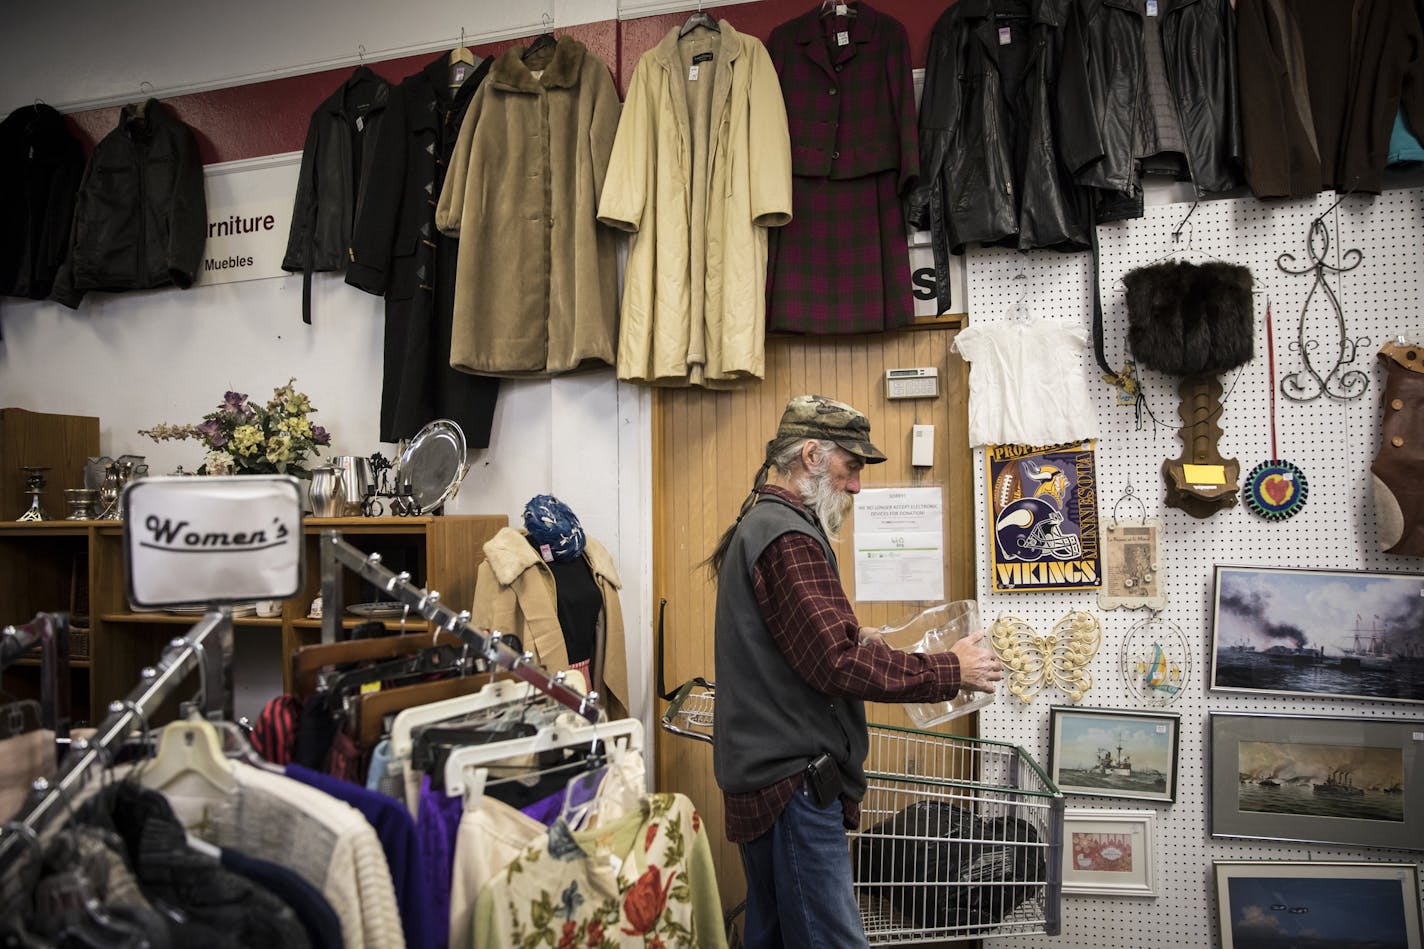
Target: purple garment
(438,820)
(405,854)
(547,810)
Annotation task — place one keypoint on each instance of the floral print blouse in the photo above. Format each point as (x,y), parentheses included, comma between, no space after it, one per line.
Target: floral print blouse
(645,879)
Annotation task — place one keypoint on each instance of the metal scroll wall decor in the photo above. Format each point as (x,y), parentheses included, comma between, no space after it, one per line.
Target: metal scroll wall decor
(1061,658)
(1307,384)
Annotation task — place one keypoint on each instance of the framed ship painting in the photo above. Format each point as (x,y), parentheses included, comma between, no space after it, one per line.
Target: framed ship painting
(1110,753)
(1320,904)
(1357,782)
(1342,633)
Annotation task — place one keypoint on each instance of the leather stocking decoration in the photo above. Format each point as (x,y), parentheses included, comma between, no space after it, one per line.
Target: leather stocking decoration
(1397,468)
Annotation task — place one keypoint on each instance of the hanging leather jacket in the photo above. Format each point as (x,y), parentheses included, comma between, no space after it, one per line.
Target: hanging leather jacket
(336,166)
(141,215)
(1103,53)
(989,162)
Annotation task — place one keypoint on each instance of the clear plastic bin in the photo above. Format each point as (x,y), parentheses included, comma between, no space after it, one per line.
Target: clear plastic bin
(934,630)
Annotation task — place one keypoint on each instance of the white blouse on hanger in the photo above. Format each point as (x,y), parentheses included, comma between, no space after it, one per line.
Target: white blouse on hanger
(1026,383)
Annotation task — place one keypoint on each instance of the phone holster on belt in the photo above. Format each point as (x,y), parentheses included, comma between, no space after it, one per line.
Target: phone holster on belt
(824,779)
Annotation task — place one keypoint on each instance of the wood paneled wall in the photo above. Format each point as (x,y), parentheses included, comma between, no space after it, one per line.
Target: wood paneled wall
(707,447)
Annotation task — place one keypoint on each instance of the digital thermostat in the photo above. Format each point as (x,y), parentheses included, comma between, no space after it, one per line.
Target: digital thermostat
(911,383)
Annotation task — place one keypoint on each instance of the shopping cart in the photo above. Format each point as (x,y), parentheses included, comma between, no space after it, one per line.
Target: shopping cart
(960,838)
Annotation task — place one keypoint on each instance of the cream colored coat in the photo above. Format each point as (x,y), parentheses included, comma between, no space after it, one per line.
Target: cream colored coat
(700,169)
(515,593)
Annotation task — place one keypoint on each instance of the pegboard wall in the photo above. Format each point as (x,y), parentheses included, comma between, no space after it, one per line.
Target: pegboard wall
(1332,441)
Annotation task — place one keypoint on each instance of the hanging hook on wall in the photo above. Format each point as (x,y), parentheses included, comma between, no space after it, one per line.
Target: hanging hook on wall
(360,54)
(1176,235)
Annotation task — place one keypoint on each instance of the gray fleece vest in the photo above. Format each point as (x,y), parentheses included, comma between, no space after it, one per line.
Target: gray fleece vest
(769,723)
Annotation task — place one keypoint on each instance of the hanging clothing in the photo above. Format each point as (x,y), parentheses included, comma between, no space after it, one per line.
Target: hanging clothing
(645,878)
(1320,86)
(395,829)
(536,280)
(1027,384)
(219,908)
(325,840)
(322,926)
(843,265)
(335,175)
(397,252)
(141,216)
(1161,82)
(26,757)
(515,593)
(40,167)
(989,154)
(685,182)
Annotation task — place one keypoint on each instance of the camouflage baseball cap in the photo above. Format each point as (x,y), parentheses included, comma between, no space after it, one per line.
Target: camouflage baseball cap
(815,416)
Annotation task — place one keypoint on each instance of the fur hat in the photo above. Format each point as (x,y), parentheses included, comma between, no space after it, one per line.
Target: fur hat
(1188,319)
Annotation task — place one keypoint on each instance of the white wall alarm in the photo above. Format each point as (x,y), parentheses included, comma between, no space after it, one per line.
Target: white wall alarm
(912,383)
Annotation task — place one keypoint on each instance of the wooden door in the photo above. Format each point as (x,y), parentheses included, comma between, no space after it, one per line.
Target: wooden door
(707,447)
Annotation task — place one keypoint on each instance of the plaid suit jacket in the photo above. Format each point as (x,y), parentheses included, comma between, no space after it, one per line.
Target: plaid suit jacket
(851,107)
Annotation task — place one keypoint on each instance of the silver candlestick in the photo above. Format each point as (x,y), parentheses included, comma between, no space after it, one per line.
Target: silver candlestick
(34,487)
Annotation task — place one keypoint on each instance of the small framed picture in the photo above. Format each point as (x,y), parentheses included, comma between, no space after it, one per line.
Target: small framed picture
(1343,905)
(1112,753)
(1357,782)
(1108,853)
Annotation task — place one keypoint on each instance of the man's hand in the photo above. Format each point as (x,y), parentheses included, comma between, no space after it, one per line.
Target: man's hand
(979,668)
(871,634)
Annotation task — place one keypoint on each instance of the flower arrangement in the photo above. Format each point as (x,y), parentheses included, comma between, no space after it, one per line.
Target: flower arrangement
(243,437)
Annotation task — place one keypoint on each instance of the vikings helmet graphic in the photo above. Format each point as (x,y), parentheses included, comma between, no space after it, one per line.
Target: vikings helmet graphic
(1028,529)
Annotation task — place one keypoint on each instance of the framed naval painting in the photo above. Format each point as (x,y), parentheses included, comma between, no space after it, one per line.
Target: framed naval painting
(1112,753)
(1356,782)
(1043,517)
(1346,633)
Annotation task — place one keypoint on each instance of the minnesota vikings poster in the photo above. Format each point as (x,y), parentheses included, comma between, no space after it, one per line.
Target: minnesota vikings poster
(1043,509)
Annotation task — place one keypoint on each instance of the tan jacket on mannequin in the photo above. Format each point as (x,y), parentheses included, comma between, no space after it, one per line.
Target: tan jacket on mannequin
(514,593)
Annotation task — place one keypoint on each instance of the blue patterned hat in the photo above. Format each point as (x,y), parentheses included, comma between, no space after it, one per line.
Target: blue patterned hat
(552,524)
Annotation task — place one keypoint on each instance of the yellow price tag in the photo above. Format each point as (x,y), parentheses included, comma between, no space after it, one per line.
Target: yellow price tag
(1205,474)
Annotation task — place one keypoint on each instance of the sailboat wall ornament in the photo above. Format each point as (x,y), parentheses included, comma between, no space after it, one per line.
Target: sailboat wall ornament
(1155,661)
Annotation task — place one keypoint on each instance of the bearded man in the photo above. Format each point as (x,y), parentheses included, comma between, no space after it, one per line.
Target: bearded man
(794,668)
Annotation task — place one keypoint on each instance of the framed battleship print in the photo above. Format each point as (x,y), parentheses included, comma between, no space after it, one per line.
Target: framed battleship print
(1351,634)
(1357,782)
(1335,903)
(1110,753)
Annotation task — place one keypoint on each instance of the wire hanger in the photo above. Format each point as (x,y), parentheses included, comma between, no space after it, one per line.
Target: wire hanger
(839,7)
(699,18)
(1019,310)
(543,40)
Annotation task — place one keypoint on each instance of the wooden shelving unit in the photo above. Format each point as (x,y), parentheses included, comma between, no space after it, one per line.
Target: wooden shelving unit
(44,566)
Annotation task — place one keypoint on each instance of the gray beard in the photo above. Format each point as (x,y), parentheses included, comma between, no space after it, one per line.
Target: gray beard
(829,504)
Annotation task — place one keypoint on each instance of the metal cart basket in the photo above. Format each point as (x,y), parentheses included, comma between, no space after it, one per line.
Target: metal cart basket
(960,838)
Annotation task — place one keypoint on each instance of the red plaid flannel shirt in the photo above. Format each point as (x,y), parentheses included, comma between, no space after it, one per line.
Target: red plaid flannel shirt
(804,606)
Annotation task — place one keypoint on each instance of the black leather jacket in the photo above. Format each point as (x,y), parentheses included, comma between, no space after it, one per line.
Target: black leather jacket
(1103,53)
(331,186)
(989,162)
(141,217)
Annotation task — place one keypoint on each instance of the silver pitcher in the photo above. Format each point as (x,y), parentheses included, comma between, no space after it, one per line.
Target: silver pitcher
(326,493)
(354,473)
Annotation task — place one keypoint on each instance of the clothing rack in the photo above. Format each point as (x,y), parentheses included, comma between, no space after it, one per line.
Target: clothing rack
(51,632)
(207,647)
(336,553)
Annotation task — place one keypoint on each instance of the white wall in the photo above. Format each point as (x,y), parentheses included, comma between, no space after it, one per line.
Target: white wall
(81,54)
(135,359)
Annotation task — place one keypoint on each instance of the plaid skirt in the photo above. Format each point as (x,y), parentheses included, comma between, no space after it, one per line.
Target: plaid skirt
(842,265)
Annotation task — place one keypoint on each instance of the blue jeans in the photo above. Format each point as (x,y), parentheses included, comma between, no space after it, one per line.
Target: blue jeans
(799,891)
